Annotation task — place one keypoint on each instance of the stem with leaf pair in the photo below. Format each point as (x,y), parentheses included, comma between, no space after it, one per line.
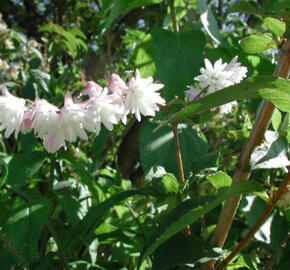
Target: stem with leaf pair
(269,208)
(243,173)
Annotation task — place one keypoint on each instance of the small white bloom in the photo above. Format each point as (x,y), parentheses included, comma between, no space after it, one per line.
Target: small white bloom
(54,141)
(92,89)
(45,118)
(9,44)
(104,110)
(239,72)
(192,93)
(117,85)
(3,65)
(12,111)
(227,108)
(142,97)
(214,77)
(74,120)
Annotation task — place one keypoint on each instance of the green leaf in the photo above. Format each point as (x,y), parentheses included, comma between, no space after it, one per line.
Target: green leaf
(121,7)
(22,167)
(273,154)
(183,249)
(24,226)
(95,215)
(276,119)
(219,180)
(70,206)
(170,183)
(276,26)
(178,58)
(257,44)
(41,78)
(144,60)
(188,212)
(158,148)
(252,8)
(209,22)
(271,88)
(84,176)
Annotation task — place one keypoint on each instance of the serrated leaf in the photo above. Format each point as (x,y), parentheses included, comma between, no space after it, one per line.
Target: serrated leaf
(188,212)
(271,155)
(22,167)
(182,250)
(170,183)
(275,26)
(158,149)
(257,43)
(178,58)
(252,8)
(25,224)
(219,179)
(208,20)
(144,59)
(121,7)
(271,88)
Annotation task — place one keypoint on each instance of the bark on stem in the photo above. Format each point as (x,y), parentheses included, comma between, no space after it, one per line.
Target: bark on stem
(242,173)
(282,189)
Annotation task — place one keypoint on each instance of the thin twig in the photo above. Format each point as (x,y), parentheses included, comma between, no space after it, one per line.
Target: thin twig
(61,252)
(173,15)
(269,208)
(243,173)
(137,221)
(178,152)
(14,251)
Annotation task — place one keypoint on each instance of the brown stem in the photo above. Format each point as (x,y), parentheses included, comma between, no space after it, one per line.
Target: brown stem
(178,152)
(269,208)
(173,15)
(179,163)
(243,173)
(61,252)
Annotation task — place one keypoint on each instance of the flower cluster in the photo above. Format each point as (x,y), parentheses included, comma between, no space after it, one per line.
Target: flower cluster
(216,77)
(105,106)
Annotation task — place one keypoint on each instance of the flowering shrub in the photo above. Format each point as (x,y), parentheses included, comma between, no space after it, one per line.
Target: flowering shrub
(178,158)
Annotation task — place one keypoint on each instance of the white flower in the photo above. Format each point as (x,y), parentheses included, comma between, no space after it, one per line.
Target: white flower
(92,89)
(74,120)
(103,110)
(54,141)
(192,93)
(142,97)
(117,85)
(239,72)
(285,199)
(45,118)
(3,65)
(12,111)
(214,77)
(227,108)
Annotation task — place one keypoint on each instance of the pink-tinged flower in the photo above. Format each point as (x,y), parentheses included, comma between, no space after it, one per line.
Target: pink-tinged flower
(214,77)
(239,72)
(12,111)
(192,93)
(74,120)
(26,122)
(105,111)
(142,97)
(53,141)
(45,118)
(117,85)
(92,89)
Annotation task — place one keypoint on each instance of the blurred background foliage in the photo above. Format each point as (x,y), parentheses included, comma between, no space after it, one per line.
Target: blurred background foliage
(94,205)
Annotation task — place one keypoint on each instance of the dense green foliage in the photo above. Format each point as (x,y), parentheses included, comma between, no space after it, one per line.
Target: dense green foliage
(116,201)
